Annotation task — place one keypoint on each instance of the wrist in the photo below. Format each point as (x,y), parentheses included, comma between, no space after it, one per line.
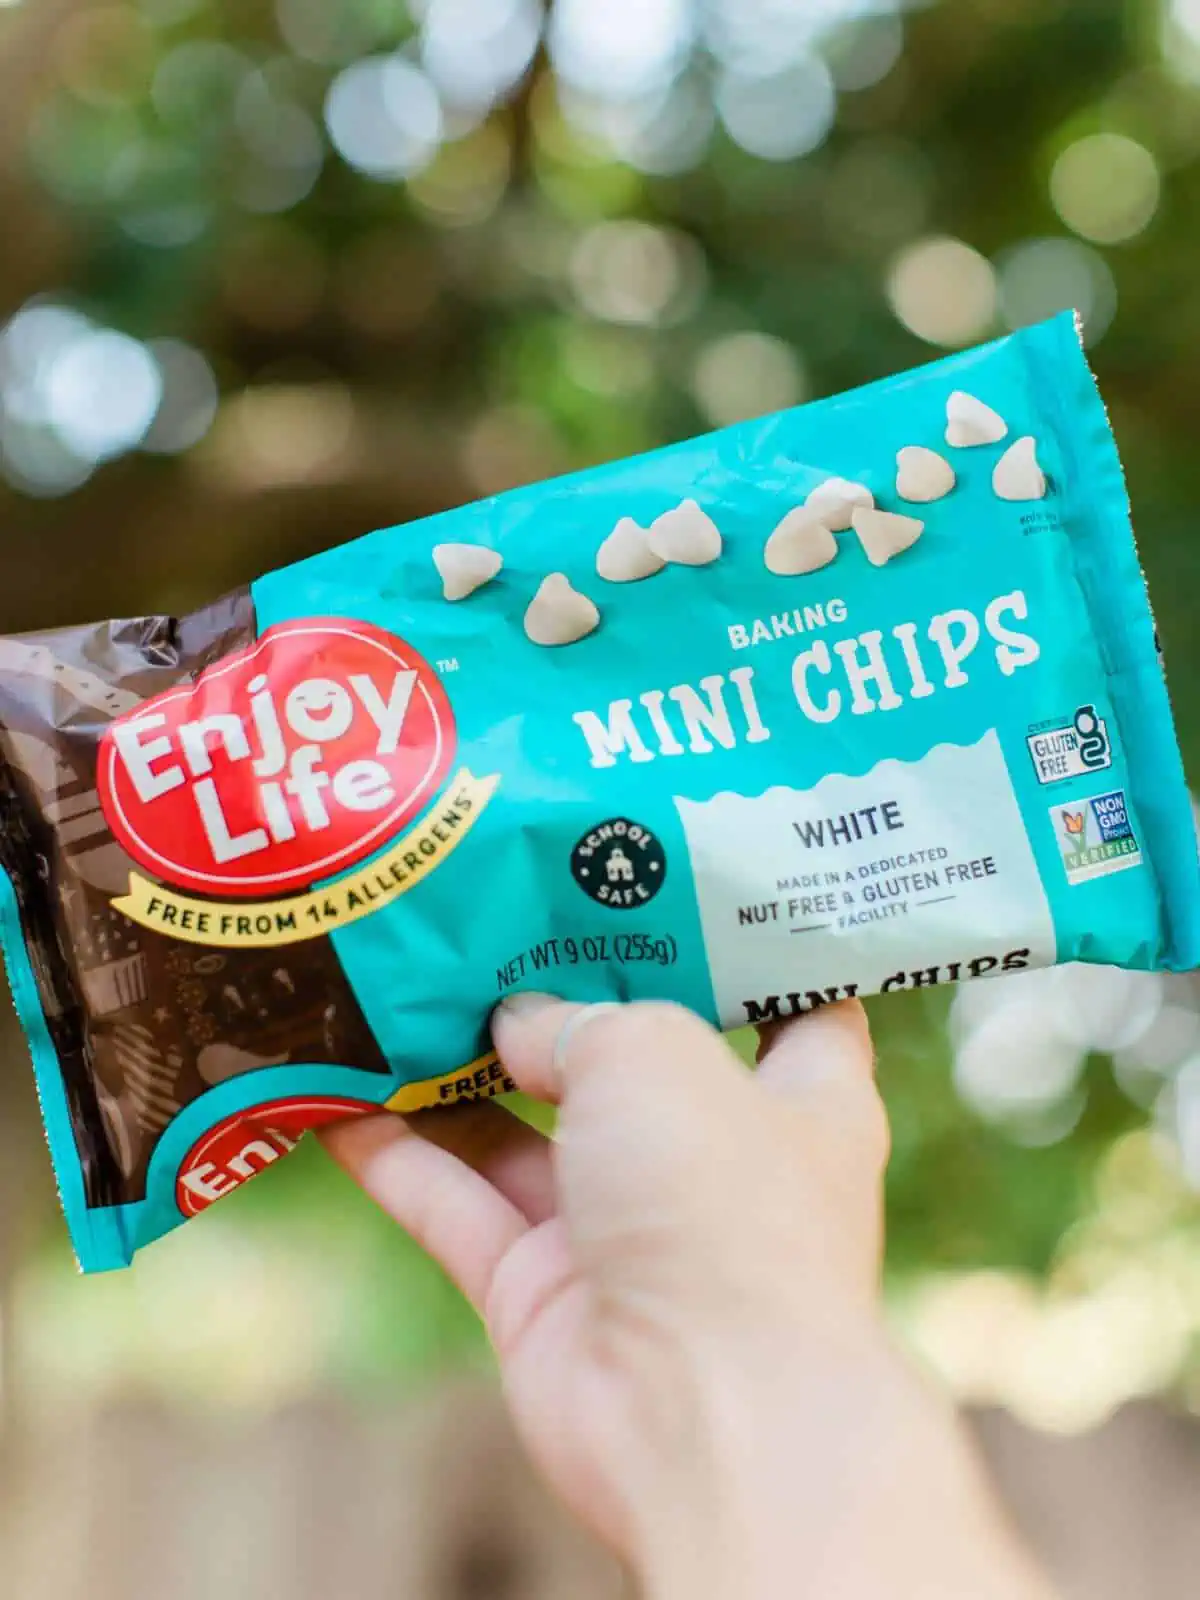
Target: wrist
(740,1442)
(819,1467)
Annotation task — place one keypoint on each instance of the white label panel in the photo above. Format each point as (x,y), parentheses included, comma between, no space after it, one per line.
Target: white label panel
(915,873)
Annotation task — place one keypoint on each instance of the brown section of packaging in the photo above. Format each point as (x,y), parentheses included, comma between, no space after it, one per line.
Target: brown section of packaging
(142,1024)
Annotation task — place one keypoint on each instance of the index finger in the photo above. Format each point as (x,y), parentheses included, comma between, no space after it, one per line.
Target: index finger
(831,1041)
(823,1063)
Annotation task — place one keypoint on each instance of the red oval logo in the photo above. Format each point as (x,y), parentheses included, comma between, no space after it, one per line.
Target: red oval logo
(281,765)
(248,1142)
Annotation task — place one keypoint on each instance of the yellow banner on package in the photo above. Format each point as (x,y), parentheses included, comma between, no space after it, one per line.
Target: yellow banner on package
(480,1079)
(309,916)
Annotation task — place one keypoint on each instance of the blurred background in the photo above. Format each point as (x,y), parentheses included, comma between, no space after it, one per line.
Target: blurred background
(273,274)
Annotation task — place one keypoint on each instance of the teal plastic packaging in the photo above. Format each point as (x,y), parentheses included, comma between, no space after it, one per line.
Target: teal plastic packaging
(858,698)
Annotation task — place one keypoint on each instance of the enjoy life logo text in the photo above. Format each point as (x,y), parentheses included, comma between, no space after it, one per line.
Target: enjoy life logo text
(282,765)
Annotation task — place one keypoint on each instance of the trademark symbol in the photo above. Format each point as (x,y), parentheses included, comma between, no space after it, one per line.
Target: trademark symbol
(448,666)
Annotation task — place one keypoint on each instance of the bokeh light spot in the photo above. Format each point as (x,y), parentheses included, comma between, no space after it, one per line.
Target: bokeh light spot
(1181,1102)
(161,194)
(509,446)
(863,51)
(1181,39)
(1040,277)
(606,361)
(384,117)
(759,37)
(196,84)
(274,435)
(71,396)
(746,375)
(622,47)
(1106,187)
(477,50)
(662,133)
(37,462)
(332,34)
(189,398)
(1009,1067)
(633,272)
(466,182)
(285,143)
(782,116)
(75,150)
(943,291)
(102,393)
(33,341)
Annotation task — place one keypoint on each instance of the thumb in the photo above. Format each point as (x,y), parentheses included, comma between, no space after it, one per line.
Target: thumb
(665,1145)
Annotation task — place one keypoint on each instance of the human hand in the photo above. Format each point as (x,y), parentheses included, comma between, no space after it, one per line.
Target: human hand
(683,1296)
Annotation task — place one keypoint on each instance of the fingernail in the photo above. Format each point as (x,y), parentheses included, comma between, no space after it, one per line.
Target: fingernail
(526,1003)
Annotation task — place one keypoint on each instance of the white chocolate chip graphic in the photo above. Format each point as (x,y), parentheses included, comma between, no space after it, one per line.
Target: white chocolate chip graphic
(884,534)
(1017,475)
(834,502)
(217,1063)
(626,556)
(970,422)
(686,536)
(559,614)
(463,568)
(922,475)
(801,543)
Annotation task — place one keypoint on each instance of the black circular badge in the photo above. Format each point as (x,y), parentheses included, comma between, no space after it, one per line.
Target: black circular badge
(619,863)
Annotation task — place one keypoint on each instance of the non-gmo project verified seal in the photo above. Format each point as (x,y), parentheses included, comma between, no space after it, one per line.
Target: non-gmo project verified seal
(1095,836)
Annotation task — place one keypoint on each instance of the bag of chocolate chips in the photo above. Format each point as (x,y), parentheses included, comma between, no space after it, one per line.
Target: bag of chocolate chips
(862,697)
